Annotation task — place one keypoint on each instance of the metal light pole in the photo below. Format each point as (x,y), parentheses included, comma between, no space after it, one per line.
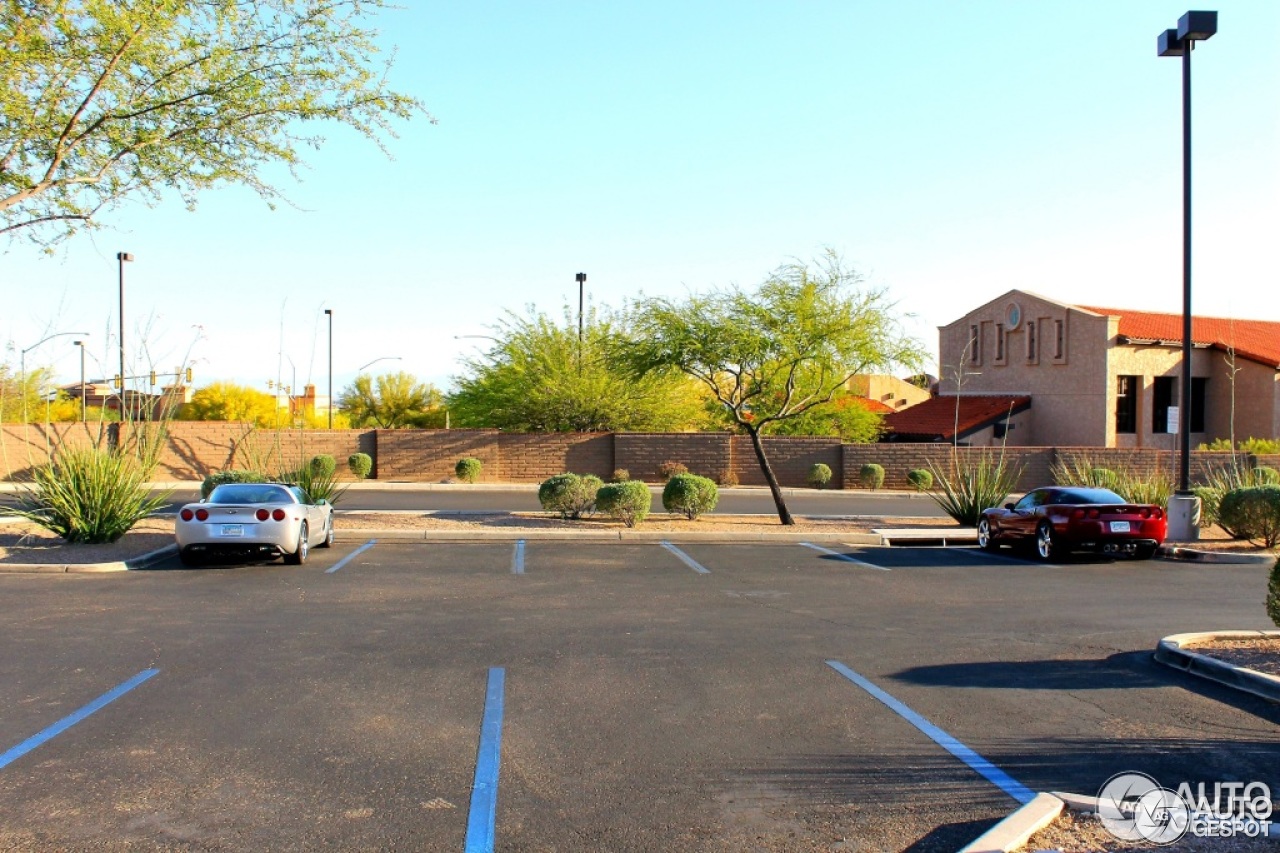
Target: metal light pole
(83,412)
(376,360)
(121,257)
(582,285)
(329,313)
(1192,27)
(22,365)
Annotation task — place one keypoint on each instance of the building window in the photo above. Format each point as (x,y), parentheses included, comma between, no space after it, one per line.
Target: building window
(1198,387)
(975,346)
(1031,341)
(999,341)
(1059,331)
(1163,397)
(1126,404)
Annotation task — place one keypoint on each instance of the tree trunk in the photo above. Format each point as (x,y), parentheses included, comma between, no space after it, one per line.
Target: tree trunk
(784,515)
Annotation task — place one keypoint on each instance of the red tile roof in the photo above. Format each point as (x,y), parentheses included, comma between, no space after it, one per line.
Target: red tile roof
(874,406)
(936,418)
(1256,340)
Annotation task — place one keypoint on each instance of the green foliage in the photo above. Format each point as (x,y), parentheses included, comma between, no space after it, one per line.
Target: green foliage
(1265,476)
(317,485)
(226,401)
(971,484)
(1218,483)
(22,398)
(539,377)
(669,469)
(1078,469)
(921,478)
(1273,595)
(1252,513)
(620,475)
(627,502)
(89,494)
(105,102)
(819,475)
(690,495)
(569,495)
(468,470)
(1254,446)
(846,417)
(323,464)
(361,465)
(206,486)
(871,475)
(391,401)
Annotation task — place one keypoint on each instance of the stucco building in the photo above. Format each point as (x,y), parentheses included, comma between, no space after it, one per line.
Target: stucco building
(1088,376)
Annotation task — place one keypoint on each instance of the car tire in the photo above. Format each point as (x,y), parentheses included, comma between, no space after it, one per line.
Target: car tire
(1046,548)
(986,541)
(327,541)
(189,558)
(299,556)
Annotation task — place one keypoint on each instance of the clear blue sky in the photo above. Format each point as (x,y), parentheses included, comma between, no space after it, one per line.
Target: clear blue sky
(951,151)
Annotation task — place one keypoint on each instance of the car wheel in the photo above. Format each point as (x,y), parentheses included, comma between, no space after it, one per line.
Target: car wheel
(1046,549)
(985,540)
(299,556)
(327,541)
(189,558)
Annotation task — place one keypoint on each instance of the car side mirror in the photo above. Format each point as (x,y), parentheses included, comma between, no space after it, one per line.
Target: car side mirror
(321,502)
(1008,506)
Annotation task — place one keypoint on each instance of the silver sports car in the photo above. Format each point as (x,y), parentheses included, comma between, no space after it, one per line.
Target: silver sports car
(254,520)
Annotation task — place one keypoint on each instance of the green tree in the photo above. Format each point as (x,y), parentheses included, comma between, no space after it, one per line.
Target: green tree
(226,401)
(538,377)
(389,401)
(103,101)
(22,398)
(775,353)
(847,417)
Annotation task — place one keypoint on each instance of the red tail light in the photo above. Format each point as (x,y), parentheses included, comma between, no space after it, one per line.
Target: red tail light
(1093,513)
(1146,512)
(262,515)
(278,514)
(1077,513)
(1157,513)
(202,515)
(187,515)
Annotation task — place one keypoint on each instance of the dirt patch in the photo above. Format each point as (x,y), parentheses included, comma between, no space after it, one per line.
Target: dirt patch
(1076,832)
(1261,654)
(22,542)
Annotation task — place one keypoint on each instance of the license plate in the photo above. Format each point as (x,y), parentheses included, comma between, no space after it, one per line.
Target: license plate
(233,530)
(1119,527)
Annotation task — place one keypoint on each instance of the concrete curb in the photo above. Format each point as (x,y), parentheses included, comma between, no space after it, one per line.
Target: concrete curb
(140,562)
(1012,832)
(1170,652)
(1177,552)
(623,535)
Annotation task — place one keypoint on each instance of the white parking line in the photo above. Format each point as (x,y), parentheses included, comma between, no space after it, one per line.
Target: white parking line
(685,558)
(845,557)
(347,559)
(517,559)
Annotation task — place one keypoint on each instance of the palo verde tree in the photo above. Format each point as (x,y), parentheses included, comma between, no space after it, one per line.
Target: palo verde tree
(105,100)
(777,352)
(538,376)
(389,401)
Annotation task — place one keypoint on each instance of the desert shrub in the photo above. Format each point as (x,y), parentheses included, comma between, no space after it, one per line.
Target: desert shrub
(361,465)
(628,502)
(1252,513)
(971,485)
(1153,488)
(619,475)
(669,469)
(569,495)
(921,478)
(819,476)
(318,483)
(1273,595)
(1256,446)
(206,485)
(1132,485)
(871,475)
(1217,484)
(690,495)
(89,494)
(468,470)
(1265,476)
(1079,470)
(728,478)
(323,463)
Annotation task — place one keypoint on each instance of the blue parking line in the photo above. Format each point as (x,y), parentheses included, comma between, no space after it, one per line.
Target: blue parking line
(482,819)
(517,559)
(976,762)
(347,559)
(845,557)
(685,558)
(70,720)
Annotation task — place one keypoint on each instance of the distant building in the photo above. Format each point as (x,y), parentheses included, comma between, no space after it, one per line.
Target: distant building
(894,393)
(140,405)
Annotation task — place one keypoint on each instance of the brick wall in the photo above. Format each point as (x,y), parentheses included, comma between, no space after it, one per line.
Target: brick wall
(26,446)
(532,458)
(790,459)
(705,453)
(429,455)
(898,459)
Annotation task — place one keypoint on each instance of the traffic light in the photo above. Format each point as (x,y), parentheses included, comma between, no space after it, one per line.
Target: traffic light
(188,374)
(115,380)
(153,377)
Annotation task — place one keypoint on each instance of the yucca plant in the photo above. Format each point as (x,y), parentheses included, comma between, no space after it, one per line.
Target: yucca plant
(89,494)
(969,485)
(317,483)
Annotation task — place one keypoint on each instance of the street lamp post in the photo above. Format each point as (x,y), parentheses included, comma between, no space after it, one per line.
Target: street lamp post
(121,257)
(582,285)
(329,313)
(83,412)
(376,360)
(22,365)
(1184,507)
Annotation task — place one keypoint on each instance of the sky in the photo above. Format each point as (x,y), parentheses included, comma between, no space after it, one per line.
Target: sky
(948,151)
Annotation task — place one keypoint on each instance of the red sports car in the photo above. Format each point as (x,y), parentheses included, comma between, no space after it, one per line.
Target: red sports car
(1059,519)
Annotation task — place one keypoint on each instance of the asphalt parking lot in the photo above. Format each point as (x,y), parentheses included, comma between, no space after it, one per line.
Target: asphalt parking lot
(602,697)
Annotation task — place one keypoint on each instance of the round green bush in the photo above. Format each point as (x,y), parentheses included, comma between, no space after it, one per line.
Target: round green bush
(871,475)
(468,470)
(1252,513)
(628,502)
(206,486)
(361,465)
(1273,595)
(819,476)
(569,495)
(690,495)
(323,465)
(921,478)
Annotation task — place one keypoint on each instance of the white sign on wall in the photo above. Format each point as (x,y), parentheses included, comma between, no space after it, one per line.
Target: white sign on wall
(1173,420)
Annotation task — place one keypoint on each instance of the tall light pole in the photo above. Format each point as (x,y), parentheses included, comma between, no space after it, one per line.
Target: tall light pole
(1192,27)
(121,257)
(582,286)
(83,412)
(22,365)
(329,313)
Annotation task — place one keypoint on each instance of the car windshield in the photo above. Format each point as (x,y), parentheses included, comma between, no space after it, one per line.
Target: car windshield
(250,494)
(1089,496)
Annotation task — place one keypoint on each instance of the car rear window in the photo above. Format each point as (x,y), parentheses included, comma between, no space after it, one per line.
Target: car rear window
(1090,496)
(249,494)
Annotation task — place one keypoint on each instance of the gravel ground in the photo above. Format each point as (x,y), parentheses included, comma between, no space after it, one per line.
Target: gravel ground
(1074,832)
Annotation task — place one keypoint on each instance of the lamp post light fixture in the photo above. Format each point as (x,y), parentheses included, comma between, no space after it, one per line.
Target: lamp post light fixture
(83,411)
(1192,27)
(329,313)
(376,360)
(22,365)
(582,286)
(121,258)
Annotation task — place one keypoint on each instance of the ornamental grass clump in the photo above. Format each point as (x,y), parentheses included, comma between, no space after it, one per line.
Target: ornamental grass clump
(819,476)
(318,483)
(971,485)
(569,495)
(627,502)
(1217,484)
(690,495)
(90,495)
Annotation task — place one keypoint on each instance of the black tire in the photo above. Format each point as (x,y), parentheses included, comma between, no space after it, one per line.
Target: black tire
(986,541)
(299,556)
(327,541)
(1046,549)
(190,559)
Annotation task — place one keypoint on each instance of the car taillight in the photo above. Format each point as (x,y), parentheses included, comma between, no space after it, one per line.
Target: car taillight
(1146,512)
(202,515)
(1077,513)
(262,515)
(187,515)
(278,514)
(1093,513)
(1157,513)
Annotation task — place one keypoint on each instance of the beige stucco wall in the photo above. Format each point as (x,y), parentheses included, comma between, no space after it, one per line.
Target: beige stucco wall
(890,390)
